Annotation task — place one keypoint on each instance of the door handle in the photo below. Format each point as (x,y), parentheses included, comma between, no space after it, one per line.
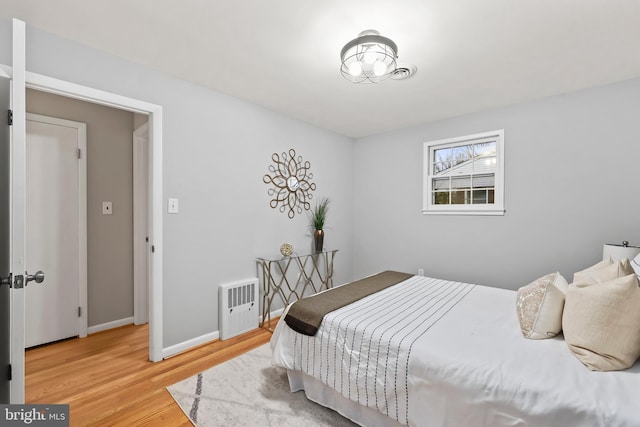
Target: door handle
(38,277)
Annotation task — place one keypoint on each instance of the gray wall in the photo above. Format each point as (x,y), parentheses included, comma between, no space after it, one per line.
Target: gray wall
(216,149)
(109,178)
(571,184)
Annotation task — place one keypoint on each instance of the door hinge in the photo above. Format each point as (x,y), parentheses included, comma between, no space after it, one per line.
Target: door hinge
(9,373)
(10,117)
(79,311)
(79,153)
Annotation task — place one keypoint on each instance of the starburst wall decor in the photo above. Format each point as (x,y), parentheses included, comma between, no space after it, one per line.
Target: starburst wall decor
(291,183)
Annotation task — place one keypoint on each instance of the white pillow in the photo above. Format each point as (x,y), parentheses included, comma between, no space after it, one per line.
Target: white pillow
(601,323)
(539,306)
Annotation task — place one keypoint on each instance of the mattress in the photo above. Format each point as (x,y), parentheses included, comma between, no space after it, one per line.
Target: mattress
(461,360)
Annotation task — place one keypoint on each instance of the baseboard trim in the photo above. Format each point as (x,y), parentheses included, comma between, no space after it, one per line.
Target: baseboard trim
(110,325)
(202,339)
(189,344)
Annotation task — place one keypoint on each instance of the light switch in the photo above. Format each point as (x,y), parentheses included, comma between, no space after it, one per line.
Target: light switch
(107,208)
(174,206)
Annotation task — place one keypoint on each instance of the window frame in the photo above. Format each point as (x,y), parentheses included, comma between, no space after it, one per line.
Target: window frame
(497,208)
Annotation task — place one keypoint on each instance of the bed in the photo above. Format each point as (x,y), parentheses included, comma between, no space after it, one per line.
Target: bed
(433,352)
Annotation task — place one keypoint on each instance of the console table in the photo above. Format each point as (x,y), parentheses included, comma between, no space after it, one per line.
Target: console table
(293,277)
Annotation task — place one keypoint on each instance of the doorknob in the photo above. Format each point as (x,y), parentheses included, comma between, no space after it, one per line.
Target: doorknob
(38,277)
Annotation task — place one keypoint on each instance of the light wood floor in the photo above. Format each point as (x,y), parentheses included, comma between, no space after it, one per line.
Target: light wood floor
(107,379)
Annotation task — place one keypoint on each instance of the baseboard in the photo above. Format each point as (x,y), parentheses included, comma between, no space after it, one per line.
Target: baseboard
(110,325)
(189,344)
(202,339)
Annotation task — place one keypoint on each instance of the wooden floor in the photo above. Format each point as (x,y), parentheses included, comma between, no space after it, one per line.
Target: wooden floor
(107,379)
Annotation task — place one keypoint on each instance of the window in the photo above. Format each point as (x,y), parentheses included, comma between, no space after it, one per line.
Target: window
(465,175)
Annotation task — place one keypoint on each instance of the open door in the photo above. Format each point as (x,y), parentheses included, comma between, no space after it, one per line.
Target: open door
(5,235)
(18,210)
(17,278)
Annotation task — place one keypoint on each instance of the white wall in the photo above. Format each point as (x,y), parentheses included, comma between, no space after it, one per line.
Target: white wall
(216,150)
(571,168)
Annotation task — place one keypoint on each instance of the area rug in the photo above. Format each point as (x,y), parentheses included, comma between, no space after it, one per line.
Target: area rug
(249,391)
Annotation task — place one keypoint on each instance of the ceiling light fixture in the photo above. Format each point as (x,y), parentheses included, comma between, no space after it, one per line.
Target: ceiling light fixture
(369,58)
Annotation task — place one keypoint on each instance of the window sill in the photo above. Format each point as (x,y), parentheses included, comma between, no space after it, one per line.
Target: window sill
(464,212)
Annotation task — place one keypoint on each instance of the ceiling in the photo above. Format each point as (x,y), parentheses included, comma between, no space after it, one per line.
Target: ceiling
(284,54)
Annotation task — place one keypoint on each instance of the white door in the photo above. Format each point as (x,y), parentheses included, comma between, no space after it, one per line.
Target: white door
(53,228)
(5,233)
(17,216)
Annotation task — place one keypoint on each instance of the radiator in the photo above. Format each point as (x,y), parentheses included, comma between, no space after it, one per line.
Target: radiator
(238,307)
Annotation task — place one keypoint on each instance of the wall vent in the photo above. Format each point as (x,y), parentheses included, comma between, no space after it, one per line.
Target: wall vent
(238,307)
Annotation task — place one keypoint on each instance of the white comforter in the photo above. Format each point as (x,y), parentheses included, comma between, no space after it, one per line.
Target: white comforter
(429,352)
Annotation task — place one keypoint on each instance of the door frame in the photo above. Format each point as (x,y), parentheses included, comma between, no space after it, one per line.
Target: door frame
(140,215)
(82,211)
(154,206)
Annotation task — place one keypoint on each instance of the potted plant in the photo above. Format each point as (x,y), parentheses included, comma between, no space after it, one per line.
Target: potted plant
(318,220)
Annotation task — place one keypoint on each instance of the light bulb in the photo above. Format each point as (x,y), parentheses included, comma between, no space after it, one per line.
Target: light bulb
(355,69)
(379,68)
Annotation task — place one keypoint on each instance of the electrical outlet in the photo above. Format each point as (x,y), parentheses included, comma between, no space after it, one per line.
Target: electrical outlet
(420,272)
(107,208)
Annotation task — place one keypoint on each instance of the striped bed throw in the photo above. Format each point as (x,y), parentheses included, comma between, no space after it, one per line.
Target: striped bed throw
(363,350)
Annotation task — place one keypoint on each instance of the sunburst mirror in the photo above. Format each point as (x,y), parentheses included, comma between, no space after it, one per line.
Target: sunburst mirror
(290,180)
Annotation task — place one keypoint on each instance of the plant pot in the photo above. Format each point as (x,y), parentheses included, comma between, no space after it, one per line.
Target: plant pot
(318,239)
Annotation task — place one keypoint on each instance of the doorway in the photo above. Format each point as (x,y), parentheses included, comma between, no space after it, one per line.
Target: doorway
(153,114)
(109,160)
(56,229)
(16,322)
(19,79)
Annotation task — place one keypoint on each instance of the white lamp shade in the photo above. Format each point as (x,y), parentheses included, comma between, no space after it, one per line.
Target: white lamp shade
(618,252)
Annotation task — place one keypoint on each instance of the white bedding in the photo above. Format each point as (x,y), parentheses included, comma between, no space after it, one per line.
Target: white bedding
(469,364)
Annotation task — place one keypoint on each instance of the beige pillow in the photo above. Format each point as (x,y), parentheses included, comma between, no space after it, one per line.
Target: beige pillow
(635,264)
(539,306)
(604,263)
(601,323)
(603,272)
